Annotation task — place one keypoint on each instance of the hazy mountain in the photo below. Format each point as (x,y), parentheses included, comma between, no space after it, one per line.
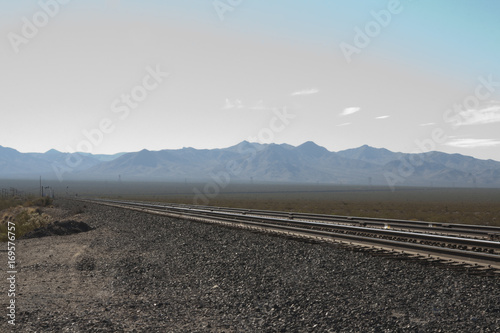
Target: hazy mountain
(103,157)
(14,164)
(54,159)
(312,150)
(245,162)
(380,156)
(461,162)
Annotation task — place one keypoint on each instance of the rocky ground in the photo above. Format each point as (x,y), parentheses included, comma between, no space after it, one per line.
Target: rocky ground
(135,272)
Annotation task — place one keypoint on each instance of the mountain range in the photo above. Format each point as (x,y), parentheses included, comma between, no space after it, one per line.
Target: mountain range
(255,162)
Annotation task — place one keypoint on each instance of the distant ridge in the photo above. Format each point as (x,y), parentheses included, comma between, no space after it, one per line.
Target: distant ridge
(246,161)
(366,153)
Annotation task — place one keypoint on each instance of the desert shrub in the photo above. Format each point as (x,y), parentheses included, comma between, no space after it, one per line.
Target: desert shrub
(26,220)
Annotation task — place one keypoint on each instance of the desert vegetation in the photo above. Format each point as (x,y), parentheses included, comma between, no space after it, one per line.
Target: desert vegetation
(26,213)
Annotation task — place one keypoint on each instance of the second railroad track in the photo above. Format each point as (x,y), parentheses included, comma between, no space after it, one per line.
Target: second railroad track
(458,244)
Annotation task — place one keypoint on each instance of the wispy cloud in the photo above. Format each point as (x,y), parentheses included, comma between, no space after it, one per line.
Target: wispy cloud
(427,124)
(238,104)
(382,117)
(350,110)
(344,124)
(473,143)
(310,91)
(486,115)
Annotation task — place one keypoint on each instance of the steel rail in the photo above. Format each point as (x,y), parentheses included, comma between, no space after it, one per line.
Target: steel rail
(430,227)
(482,231)
(416,243)
(460,242)
(324,217)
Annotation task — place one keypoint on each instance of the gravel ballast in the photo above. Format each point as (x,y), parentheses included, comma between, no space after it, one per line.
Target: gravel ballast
(135,272)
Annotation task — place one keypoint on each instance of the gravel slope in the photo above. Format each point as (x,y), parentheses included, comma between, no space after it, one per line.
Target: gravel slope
(144,273)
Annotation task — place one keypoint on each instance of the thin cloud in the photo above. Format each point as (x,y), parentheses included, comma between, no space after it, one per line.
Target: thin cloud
(228,105)
(473,143)
(311,91)
(427,124)
(344,124)
(382,117)
(232,105)
(238,104)
(350,110)
(486,115)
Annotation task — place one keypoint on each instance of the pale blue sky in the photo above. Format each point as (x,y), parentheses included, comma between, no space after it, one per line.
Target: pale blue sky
(228,77)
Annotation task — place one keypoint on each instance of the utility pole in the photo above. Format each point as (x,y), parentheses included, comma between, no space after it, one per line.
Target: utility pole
(41,188)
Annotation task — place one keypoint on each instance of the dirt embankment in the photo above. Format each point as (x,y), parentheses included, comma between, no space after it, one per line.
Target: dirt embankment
(135,272)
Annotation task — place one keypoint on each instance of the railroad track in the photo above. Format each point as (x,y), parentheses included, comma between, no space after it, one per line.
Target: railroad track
(459,245)
(461,230)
